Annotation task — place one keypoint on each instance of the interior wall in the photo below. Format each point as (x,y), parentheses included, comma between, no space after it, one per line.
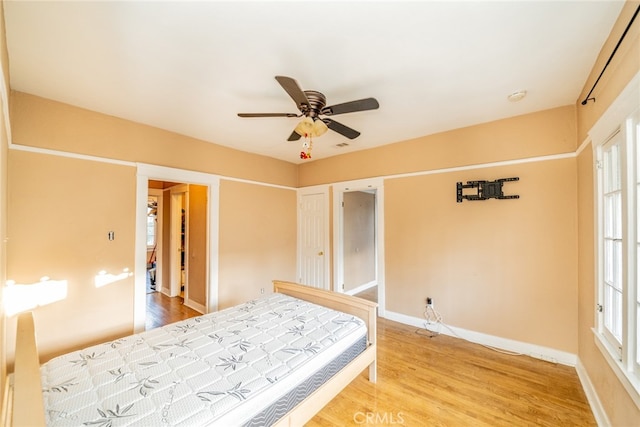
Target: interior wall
(538,134)
(60,212)
(489,265)
(258,229)
(71,129)
(499,267)
(614,399)
(198,235)
(66,128)
(359,239)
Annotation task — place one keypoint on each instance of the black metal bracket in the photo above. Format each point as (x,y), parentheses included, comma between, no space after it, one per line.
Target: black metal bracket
(486,190)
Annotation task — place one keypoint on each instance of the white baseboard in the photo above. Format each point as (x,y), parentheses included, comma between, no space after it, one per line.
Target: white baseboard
(200,308)
(592,397)
(536,351)
(362,288)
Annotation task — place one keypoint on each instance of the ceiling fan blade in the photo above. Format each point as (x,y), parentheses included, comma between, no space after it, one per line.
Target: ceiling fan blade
(350,107)
(267,115)
(294,136)
(294,91)
(341,129)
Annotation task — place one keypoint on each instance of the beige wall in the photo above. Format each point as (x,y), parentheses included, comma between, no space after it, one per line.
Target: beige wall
(257,239)
(491,266)
(499,267)
(71,129)
(616,402)
(542,133)
(63,185)
(60,211)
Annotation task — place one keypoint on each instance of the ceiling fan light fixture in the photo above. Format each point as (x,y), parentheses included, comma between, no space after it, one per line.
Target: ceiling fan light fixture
(310,127)
(319,128)
(304,127)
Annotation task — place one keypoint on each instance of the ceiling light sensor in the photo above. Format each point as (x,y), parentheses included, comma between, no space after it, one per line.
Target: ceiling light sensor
(517,95)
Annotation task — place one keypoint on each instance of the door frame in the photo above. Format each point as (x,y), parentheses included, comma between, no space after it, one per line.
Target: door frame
(339,189)
(324,190)
(179,197)
(146,172)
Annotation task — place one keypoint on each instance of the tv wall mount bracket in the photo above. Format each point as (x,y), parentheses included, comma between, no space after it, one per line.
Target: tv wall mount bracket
(485,190)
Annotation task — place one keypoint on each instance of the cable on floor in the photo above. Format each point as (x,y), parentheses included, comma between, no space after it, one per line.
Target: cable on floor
(433,317)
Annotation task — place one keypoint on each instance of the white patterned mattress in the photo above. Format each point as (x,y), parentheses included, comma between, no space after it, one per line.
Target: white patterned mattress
(246,365)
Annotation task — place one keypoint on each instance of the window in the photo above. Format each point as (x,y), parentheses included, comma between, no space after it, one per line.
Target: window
(618,198)
(152,214)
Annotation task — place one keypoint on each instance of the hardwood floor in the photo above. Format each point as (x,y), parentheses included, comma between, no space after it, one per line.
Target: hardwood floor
(370,294)
(445,381)
(162,310)
(440,381)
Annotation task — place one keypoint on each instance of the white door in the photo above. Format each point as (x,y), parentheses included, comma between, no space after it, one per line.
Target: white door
(312,238)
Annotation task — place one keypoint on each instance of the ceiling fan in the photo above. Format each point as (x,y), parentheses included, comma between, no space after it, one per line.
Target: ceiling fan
(312,105)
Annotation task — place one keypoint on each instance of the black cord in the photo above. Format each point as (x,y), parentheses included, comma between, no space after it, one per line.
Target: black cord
(586,99)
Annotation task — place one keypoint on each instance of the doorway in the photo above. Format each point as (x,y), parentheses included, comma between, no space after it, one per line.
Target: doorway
(359,239)
(196,194)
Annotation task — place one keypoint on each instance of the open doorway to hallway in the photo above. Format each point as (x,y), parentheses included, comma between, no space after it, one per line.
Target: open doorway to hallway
(201,253)
(176,257)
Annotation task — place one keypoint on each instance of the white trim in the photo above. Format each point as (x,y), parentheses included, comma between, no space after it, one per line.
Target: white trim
(140,255)
(612,122)
(592,396)
(134,164)
(200,308)
(362,288)
(70,155)
(339,188)
(264,184)
(146,172)
(4,85)
(465,168)
(618,111)
(536,351)
(584,145)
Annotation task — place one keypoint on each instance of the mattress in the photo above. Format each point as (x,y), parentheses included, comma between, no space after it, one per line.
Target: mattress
(246,365)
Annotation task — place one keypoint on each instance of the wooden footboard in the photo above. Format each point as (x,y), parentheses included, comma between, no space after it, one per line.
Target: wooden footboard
(365,310)
(26,406)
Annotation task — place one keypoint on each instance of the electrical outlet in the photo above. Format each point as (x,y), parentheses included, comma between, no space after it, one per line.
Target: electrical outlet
(429,301)
(262,290)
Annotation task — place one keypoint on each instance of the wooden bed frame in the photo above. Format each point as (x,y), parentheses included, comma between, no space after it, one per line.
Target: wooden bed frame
(25,407)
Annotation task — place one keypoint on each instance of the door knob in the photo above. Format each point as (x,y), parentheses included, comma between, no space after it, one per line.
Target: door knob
(320,253)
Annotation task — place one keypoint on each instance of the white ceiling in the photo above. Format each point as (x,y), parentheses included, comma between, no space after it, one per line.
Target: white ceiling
(190,67)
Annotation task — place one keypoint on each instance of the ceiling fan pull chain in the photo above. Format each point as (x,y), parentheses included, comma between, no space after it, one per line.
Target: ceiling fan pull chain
(308,144)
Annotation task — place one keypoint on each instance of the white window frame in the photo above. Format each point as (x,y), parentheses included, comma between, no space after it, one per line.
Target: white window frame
(622,353)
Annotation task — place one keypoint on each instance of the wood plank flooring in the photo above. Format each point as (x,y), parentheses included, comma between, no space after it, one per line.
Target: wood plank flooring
(443,381)
(162,310)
